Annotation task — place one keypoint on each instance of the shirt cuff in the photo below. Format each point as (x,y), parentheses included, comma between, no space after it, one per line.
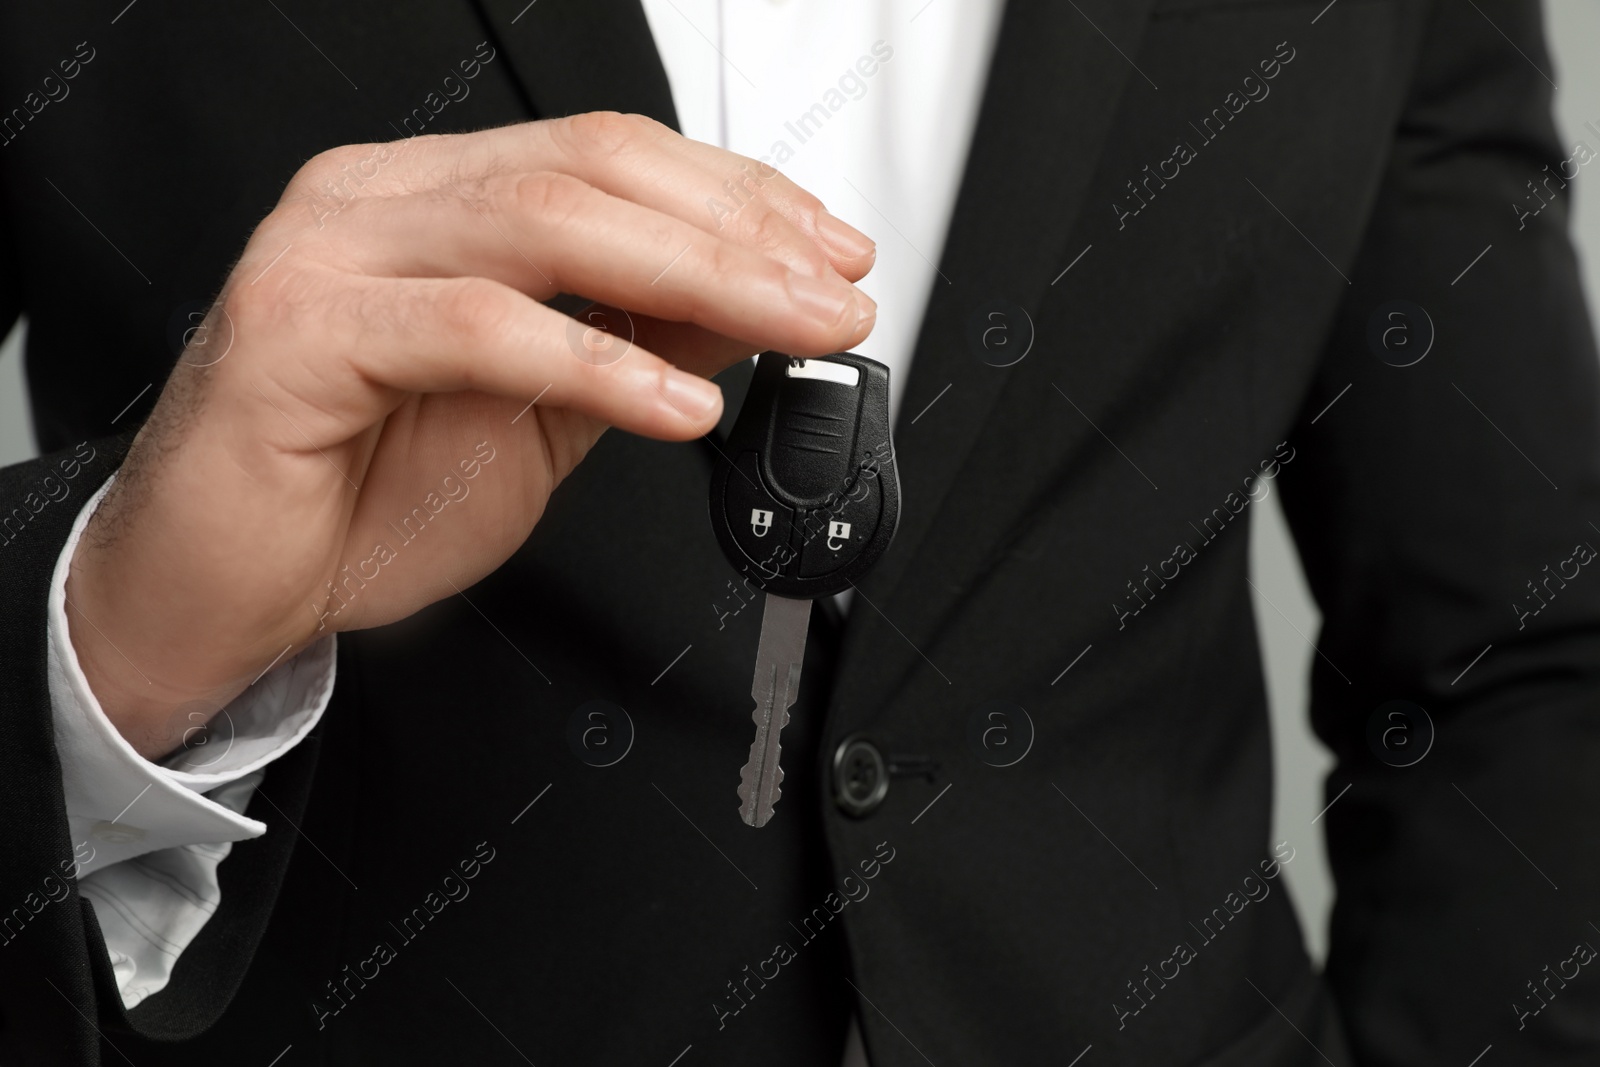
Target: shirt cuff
(152,907)
(121,805)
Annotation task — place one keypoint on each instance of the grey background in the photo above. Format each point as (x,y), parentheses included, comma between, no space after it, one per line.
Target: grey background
(1285,615)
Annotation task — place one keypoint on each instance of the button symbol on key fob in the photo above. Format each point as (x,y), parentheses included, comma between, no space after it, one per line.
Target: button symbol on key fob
(811,443)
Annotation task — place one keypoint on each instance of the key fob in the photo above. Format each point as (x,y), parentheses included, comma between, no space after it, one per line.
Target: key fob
(805,497)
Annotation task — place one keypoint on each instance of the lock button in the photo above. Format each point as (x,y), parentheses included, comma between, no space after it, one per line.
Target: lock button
(761,526)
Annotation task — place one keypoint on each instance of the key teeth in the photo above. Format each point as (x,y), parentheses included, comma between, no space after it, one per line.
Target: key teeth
(749,804)
(780,719)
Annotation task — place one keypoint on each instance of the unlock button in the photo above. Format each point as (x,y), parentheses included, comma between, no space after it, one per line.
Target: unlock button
(831,537)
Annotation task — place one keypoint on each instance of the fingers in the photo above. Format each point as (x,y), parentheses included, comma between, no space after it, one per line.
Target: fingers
(548,233)
(639,159)
(629,156)
(448,334)
(685,345)
(716,255)
(750,182)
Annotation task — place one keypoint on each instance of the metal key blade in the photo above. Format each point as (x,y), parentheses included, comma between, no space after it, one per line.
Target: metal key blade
(776,686)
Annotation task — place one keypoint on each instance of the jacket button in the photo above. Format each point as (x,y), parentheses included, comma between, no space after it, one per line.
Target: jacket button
(860,776)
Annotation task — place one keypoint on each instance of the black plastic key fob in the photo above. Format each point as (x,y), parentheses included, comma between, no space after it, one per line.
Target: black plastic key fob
(805,497)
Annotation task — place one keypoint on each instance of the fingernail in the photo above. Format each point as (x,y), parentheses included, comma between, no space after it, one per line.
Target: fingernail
(845,239)
(868,311)
(692,396)
(827,302)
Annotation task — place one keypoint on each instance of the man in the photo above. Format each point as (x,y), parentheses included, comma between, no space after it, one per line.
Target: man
(1196,226)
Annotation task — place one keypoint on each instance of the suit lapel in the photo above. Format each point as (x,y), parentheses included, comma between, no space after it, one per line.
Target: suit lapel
(1053,88)
(572,56)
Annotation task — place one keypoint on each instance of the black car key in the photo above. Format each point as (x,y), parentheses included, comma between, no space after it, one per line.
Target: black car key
(804,501)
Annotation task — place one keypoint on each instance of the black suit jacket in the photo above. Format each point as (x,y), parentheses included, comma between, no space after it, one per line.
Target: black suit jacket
(1236,238)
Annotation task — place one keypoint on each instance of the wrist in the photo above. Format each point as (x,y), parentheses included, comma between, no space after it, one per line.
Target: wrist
(159,656)
(149,700)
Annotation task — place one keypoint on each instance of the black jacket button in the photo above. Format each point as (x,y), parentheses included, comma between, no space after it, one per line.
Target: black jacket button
(860,776)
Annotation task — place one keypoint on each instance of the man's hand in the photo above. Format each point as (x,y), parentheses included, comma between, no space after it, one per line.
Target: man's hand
(365,367)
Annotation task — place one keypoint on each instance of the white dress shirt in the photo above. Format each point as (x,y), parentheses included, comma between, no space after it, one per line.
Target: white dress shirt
(148,837)
(869,104)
